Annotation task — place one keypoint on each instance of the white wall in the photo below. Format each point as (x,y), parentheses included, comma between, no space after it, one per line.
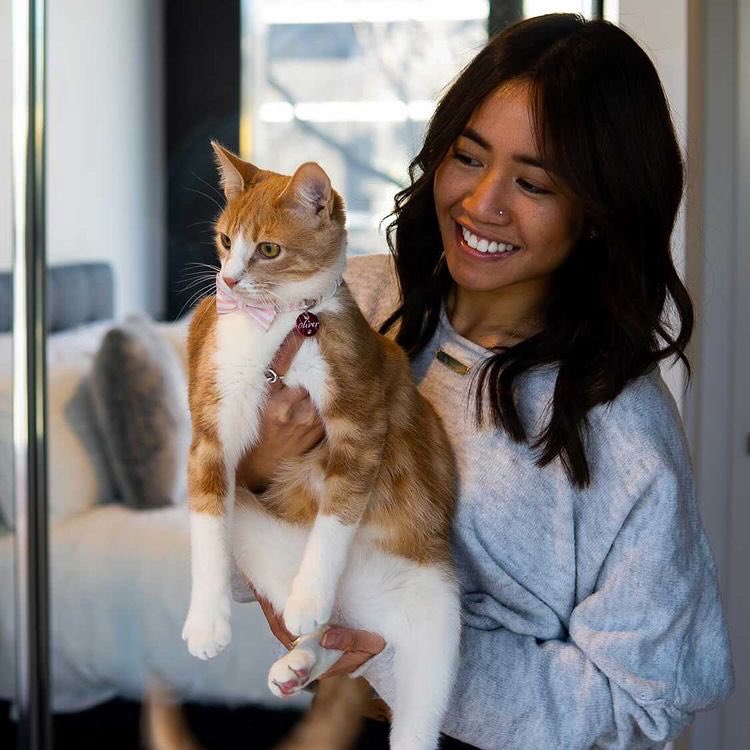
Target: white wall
(5,117)
(661,29)
(104,142)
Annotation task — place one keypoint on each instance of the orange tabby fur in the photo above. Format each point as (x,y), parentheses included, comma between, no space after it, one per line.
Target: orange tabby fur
(386,458)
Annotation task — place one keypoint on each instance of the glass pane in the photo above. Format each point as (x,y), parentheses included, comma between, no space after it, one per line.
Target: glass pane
(351,85)
(7,541)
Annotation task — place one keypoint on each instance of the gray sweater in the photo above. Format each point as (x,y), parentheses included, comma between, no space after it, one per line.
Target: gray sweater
(591,618)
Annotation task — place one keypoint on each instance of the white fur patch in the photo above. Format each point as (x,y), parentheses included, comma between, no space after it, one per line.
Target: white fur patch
(311,372)
(243,352)
(239,255)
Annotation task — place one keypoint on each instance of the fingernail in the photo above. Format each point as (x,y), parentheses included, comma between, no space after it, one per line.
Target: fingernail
(331,640)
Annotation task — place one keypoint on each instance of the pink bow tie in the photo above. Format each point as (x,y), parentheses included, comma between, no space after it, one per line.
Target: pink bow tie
(228,301)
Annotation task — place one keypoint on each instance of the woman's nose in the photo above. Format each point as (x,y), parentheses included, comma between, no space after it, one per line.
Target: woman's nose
(487,202)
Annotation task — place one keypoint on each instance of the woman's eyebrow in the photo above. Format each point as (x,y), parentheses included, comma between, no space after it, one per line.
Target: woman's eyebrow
(472,135)
(532,161)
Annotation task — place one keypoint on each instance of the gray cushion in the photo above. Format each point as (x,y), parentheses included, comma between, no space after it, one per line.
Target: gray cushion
(77,293)
(139,391)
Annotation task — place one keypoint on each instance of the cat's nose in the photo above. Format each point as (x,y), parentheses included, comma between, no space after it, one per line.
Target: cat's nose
(230,281)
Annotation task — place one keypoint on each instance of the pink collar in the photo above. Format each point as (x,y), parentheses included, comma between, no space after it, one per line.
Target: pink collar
(227,300)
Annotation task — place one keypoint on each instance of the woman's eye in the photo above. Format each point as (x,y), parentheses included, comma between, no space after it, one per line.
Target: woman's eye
(269,249)
(531,188)
(225,241)
(465,159)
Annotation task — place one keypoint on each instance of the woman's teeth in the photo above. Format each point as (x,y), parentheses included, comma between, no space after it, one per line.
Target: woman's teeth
(485,246)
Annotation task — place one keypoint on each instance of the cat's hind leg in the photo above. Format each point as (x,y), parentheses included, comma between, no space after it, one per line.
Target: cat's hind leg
(424,666)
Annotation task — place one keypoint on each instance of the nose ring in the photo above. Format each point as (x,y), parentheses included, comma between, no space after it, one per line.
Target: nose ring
(500,212)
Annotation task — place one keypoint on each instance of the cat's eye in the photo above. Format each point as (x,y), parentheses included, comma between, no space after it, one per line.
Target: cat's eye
(225,241)
(269,249)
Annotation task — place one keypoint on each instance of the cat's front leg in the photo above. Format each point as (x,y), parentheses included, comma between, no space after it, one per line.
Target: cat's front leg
(207,628)
(313,593)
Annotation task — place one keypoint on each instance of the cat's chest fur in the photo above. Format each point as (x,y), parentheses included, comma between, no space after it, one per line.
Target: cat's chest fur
(243,353)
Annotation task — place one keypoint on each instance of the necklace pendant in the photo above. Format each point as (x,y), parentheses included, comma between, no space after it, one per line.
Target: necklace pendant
(307,324)
(458,367)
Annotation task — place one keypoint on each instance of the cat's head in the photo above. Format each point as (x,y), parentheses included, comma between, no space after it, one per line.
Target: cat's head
(279,238)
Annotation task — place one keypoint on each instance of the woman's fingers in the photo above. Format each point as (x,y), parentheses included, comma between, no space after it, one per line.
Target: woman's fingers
(348,663)
(275,622)
(358,646)
(348,639)
(281,405)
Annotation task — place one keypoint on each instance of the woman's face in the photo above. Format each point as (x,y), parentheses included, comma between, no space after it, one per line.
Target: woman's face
(504,221)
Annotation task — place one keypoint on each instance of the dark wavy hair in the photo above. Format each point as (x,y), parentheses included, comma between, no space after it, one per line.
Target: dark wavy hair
(617,306)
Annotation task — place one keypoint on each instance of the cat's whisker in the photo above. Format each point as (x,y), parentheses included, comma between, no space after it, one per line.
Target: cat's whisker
(206,195)
(204,265)
(202,271)
(212,224)
(269,297)
(206,283)
(194,299)
(202,315)
(199,275)
(209,185)
(197,295)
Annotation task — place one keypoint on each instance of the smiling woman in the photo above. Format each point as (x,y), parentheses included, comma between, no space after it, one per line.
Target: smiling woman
(556,139)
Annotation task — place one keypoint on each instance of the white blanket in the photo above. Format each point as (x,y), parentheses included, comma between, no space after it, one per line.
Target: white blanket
(119,593)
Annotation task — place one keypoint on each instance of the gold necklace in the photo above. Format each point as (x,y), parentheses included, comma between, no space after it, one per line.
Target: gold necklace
(458,367)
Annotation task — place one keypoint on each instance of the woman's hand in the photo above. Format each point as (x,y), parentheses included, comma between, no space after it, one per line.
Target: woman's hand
(358,645)
(290,426)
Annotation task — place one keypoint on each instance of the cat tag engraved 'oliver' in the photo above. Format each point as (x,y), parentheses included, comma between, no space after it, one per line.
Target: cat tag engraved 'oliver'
(307,324)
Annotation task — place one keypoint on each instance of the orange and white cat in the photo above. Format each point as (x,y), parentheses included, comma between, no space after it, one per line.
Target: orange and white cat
(356,531)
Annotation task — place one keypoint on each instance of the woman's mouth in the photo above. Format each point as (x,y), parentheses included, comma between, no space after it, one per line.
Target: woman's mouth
(483,247)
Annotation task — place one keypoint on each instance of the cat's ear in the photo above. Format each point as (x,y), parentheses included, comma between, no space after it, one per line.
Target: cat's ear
(309,191)
(236,175)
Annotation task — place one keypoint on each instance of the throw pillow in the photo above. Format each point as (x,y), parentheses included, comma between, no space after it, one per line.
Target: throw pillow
(139,390)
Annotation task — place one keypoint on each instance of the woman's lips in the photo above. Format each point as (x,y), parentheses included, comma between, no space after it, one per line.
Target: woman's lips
(474,253)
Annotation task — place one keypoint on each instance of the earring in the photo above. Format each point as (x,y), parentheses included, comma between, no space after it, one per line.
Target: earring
(593,234)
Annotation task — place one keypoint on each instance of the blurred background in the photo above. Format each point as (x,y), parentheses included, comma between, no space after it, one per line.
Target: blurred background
(135,91)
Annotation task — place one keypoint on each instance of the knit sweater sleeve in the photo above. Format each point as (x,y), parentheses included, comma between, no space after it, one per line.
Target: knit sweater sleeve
(644,651)
(373,283)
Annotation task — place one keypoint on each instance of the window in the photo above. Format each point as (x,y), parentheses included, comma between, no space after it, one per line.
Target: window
(351,84)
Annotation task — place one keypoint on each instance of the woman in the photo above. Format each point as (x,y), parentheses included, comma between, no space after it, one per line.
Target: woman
(532,252)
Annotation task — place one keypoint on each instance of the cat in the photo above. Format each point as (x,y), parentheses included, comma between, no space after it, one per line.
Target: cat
(334,722)
(357,531)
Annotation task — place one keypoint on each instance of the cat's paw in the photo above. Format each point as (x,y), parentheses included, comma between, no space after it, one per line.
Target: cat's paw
(306,612)
(291,672)
(207,633)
